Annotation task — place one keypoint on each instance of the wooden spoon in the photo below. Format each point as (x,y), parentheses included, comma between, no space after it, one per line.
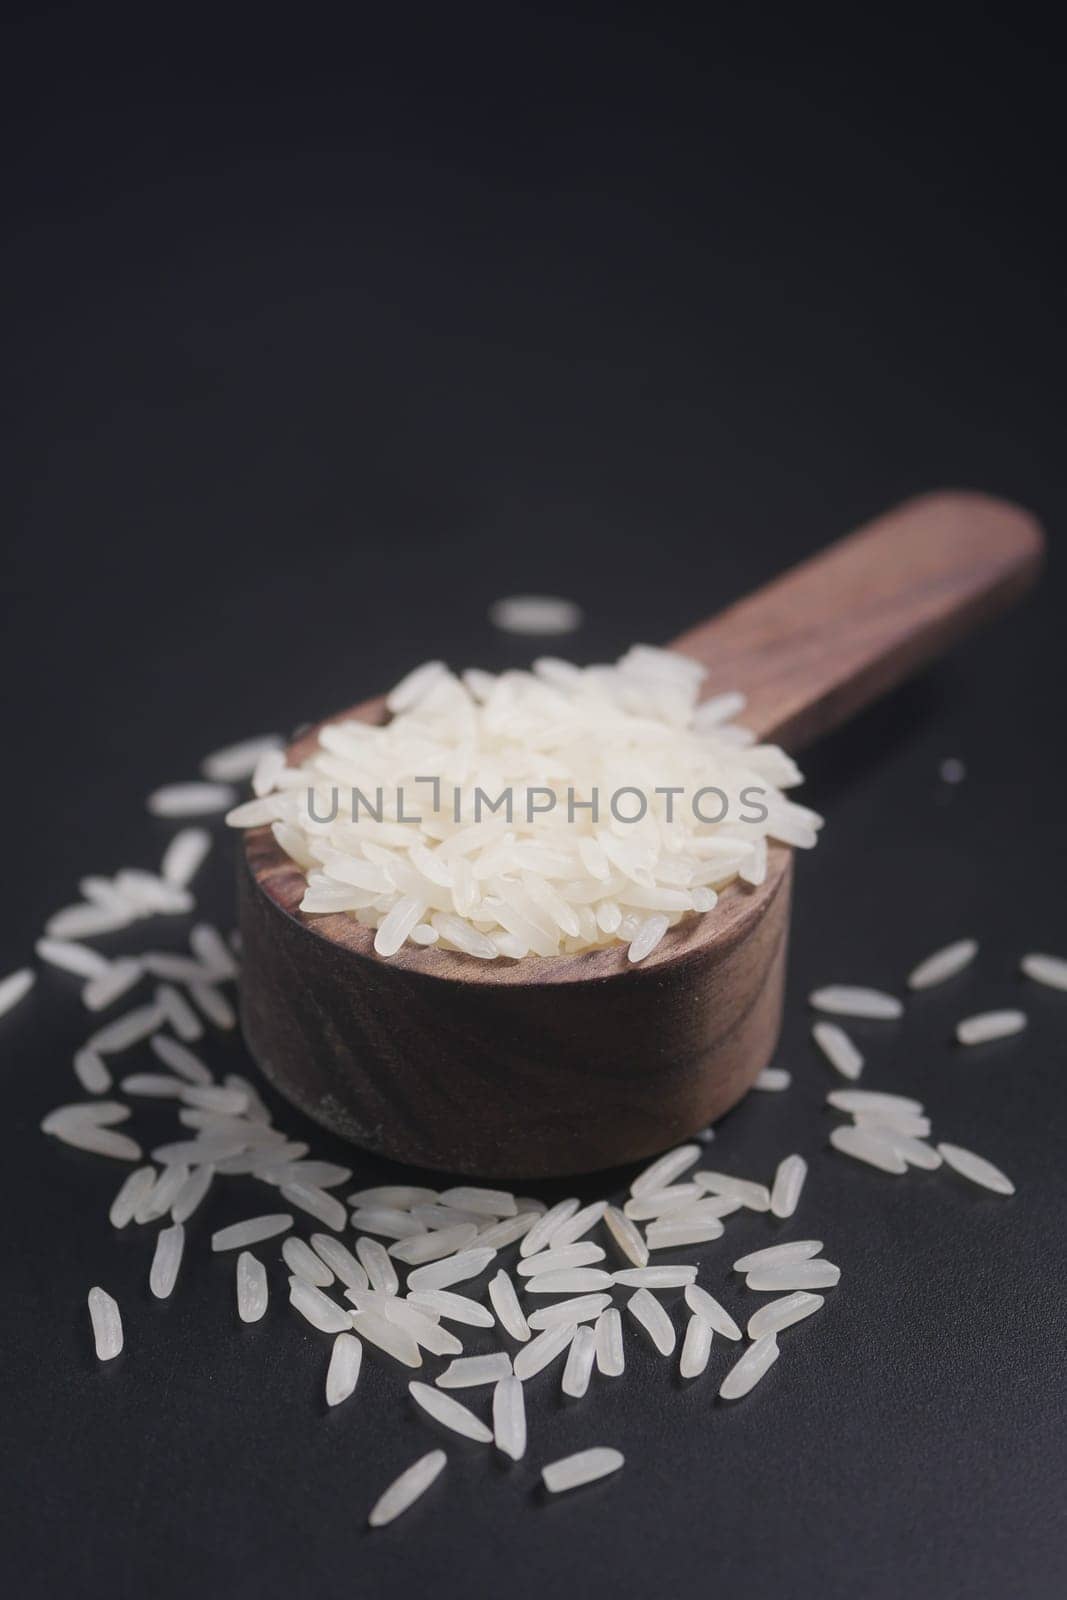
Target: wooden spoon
(544,1067)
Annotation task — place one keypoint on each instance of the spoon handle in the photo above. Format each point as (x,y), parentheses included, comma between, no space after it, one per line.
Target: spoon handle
(832,634)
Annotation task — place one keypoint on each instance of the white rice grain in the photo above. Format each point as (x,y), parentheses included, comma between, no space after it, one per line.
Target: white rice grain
(167,1260)
(649,934)
(400,1197)
(191,799)
(539,1236)
(509,1418)
(235,763)
(661,1202)
(184,856)
(132,1193)
(180,1060)
(167,1188)
(676,1233)
(69,956)
(790,1275)
(864,1145)
(153,1085)
(251,1287)
(573,1280)
(107,1324)
(192,1192)
(560,1259)
(916,1152)
(304,1263)
(425,1330)
(647,1311)
(1049,970)
(468,1372)
(179,1013)
(455,1269)
(851,1000)
(388,1336)
(126,1030)
(253,1231)
(578,1225)
(838,1048)
(696,1347)
(779,1314)
(450,1413)
(579,1365)
(317,1203)
(535,614)
(91,1072)
(655,1277)
(904,1123)
(214,1006)
(317,1308)
(663,1171)
(753,1196)
(486,1202)
(702,1304)
(423,1247)
(943,964)
(773,1080)
(568,1313)
(989,1025)
(610,1356)
(97,1140)
(505,1303)
(221,1102)
(340,1260)
(753,1365)
(397,923)
(626,1236)
(212,952)
(788,1183)
(414,686)
(96,1113)
(536,1355)
(571,1472)
(342,1374)
(453,1307)
(85,922)
(379,1268)
(976,1168)
(508,1230)
(407,1488)
(861,1100)
(775,1254)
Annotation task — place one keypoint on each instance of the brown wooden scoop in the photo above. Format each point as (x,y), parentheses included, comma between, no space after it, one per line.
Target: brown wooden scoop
(545,1067)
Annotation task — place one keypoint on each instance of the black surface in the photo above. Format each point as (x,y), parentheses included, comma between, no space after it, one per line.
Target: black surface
(319,341)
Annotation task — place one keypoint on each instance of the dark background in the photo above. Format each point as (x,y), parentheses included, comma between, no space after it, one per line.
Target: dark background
(323,331)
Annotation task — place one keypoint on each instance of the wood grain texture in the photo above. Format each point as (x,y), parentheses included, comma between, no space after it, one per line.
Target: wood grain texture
(826,638)
(539,1073)
(540,1068)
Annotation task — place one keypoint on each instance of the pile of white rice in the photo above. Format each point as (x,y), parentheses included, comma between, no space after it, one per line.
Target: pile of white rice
(685,803)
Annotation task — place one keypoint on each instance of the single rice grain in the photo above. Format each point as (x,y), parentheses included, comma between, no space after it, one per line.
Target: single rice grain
(251,1287)
(509,1418)
(752,1366)
(571,1472)
(851,1000)
(342,1374)
(106,1323)
(450,1413)
(943,964)
(403,1493)
(976,1168)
